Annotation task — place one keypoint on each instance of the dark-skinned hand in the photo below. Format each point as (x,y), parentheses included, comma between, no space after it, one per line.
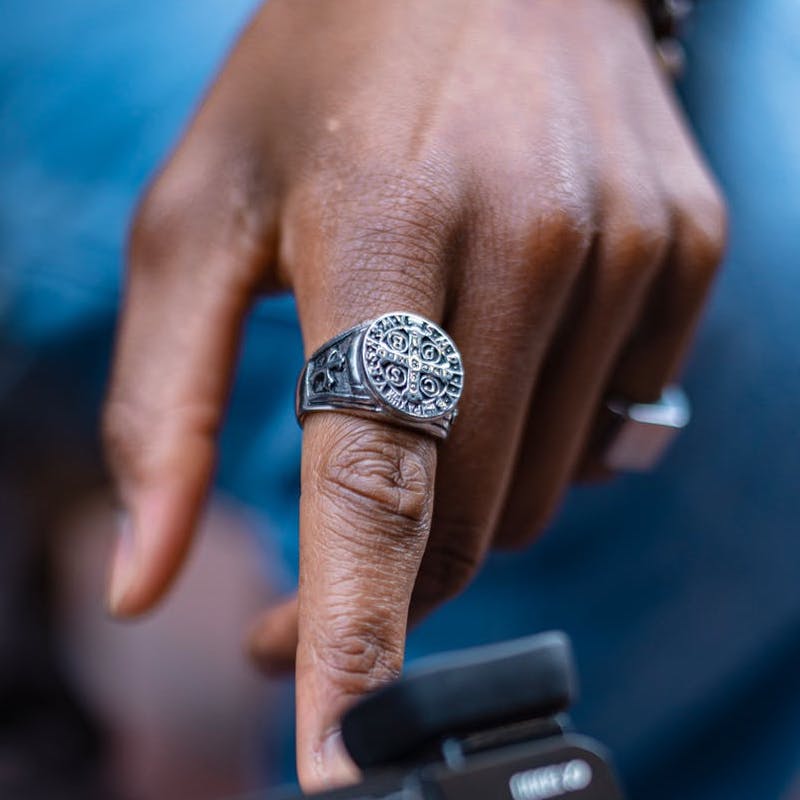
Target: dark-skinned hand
(517,171)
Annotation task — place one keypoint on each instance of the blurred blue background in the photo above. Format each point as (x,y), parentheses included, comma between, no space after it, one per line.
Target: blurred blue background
(681,589)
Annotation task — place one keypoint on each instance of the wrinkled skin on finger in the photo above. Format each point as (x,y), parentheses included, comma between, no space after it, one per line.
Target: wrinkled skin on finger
(516,171)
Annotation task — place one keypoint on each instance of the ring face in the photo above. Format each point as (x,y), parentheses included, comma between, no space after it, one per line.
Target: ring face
(412,366)
(400,368)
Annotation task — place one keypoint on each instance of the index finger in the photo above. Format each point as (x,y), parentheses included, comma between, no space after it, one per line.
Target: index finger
(365,514)
(367,486)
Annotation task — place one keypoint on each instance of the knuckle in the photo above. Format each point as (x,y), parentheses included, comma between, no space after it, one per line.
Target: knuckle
(359,653)
(642,236)
(701,226)
(396,227)
(141,442)
(565,226)
(560,239)
(381,476)
(159,221)
(217,214)
(557,228)
(540,250)
(637,240)
(412,200)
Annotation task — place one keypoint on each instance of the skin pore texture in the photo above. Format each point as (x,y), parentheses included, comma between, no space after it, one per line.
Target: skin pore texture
(516,171)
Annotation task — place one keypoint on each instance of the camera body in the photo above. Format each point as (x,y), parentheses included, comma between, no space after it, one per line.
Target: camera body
(481,724)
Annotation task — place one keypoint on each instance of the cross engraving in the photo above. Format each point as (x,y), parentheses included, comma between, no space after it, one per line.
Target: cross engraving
(322,379)
(413,366)
(416,363)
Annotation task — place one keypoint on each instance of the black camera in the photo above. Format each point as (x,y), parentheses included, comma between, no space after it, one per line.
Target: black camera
(481,724)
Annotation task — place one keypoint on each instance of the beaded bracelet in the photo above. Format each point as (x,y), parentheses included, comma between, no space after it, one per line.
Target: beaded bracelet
(667,18)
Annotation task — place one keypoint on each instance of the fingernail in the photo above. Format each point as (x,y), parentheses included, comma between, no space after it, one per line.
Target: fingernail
(121,566)
(336,766)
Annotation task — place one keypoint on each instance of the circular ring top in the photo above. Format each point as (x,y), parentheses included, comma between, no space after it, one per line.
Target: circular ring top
(412,366)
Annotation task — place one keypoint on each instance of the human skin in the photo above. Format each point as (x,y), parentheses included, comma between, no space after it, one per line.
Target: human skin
(517,171)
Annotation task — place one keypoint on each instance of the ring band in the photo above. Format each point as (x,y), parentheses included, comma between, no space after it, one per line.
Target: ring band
(642,432)
(399,367)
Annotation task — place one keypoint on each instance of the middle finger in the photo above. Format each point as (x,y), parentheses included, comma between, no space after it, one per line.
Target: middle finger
(516,273)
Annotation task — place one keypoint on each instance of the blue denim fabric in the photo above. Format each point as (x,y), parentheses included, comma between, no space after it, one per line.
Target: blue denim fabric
(681,589)
(92,95)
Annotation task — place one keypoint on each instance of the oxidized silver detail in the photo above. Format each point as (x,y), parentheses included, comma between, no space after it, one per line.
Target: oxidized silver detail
(412,365)
(400,366)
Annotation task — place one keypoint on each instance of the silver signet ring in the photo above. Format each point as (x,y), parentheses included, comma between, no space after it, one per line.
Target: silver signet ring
(400,368)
